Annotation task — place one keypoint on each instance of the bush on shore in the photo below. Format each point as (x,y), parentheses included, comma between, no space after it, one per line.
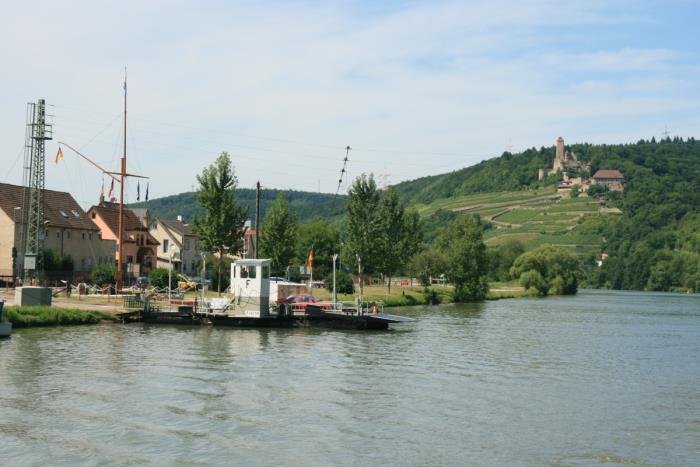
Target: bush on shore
(30,316)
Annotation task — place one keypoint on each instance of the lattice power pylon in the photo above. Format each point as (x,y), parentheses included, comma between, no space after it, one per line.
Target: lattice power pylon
(37,132)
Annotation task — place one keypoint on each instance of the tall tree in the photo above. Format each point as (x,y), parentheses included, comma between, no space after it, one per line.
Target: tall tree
(278,234)
(362,233)
(462,242)
(221,228)
(325,239)
(400,235)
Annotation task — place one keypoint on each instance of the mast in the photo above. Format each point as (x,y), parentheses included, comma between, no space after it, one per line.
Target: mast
(122,175)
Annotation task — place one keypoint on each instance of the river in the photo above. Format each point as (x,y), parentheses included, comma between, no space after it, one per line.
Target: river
(599,378)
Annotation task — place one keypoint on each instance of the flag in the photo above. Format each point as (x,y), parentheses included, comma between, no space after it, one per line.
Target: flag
(138,190)
(59,155)
(112,198)
(146,191)
(310,260)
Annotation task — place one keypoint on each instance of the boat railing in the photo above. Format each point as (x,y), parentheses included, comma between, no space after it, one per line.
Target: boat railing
(360,308)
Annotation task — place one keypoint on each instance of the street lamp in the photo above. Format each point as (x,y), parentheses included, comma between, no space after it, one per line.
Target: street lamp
(171,250)
(335,257)
(204,273)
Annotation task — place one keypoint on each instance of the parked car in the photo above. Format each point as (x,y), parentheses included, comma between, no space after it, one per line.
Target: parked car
(201,283)
(301,301)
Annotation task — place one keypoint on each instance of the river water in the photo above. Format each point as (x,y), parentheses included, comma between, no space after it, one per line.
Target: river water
(599,378)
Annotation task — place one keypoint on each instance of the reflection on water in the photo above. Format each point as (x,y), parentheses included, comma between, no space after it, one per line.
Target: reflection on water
(604,377)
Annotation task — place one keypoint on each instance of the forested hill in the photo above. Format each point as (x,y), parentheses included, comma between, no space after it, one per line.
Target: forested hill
(511,172)
(654,245)
(307,205)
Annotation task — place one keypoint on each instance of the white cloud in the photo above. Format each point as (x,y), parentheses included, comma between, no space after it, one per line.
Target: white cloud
(447,84)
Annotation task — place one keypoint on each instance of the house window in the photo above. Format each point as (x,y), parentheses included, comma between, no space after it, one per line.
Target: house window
(83,235)
(90,236)
(165,245)
(63,213)
(68,234)
(129,259)
(58,234)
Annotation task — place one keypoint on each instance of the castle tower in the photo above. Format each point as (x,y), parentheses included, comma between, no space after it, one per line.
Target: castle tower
(559,158)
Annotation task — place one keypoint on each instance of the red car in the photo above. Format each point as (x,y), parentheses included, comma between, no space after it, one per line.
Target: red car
(300,302)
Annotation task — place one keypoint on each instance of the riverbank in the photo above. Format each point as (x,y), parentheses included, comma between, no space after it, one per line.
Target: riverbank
(417,295)
(32,316)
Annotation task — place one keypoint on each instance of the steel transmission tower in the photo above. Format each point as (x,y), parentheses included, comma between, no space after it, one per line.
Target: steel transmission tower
(38,131)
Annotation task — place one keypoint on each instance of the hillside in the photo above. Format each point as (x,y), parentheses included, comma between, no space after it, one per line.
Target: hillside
(654,244)
(308,205)
(653,239)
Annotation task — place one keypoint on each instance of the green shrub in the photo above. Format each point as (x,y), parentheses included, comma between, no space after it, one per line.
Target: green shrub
(158,278)
(343,283)
(22,317)
(103,274)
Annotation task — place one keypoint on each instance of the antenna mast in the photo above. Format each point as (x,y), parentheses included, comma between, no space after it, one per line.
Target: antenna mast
(344,171)
(38,131)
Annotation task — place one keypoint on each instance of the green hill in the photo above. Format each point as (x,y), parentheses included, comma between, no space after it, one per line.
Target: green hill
(308,205)
(653,239)
(654,244)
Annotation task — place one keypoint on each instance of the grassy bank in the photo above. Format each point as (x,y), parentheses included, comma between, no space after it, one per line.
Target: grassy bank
(30,316)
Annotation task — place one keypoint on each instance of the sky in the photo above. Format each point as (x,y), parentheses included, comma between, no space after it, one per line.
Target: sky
(414,88)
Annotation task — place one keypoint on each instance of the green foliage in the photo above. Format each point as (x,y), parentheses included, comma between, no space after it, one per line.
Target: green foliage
(278,235)
(325,239)
(549,270)
(400,235)
(343,283)
(22,317)
(575,191)
(427,264)
(308,205)
(462,241)
(501,258)
(221,226)
(213,263)
(53,261)
(158,278)
(362,235)
(103,274)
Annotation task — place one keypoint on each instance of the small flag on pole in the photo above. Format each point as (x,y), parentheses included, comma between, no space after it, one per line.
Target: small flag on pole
(112,198)
(59,155)
(138,190)
(310,260)
(146,191)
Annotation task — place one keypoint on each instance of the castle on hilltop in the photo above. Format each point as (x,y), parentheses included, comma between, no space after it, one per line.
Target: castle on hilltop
(563,160)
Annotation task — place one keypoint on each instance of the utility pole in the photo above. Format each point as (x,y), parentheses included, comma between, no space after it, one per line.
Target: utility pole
(34,228)
(257,218)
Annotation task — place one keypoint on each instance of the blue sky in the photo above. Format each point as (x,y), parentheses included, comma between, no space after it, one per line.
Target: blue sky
(415,88)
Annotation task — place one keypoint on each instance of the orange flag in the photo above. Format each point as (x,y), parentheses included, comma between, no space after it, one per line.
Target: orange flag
(310,260)
(59,155)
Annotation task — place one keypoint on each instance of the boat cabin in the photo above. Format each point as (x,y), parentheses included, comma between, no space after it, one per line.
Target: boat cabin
(250,286)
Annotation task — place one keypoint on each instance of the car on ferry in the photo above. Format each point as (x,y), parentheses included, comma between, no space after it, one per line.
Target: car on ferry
(299,302)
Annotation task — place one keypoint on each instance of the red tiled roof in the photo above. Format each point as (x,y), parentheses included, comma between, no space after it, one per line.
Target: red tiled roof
(604,173)
(109,213)
(60,209)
